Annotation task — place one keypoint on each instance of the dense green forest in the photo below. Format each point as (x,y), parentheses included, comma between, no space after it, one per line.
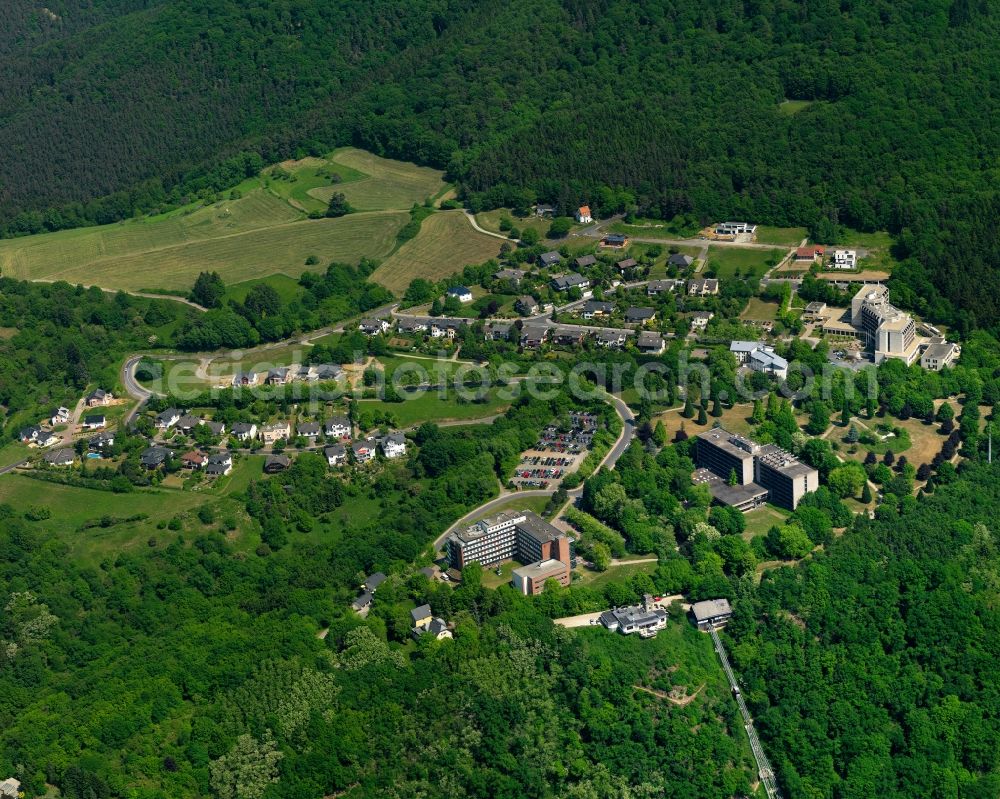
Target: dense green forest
(116,107)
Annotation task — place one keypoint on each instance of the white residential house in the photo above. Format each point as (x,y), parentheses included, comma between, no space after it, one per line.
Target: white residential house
(98,397)
(59,416)
(373,327)
(168,418)
(393,445)
(95,422)
(308,430)
(844,259)
(363,450)
(245,379)
(338,427)
(219,464)
(245,431)
(700,319)
(461,293)
(583,215)
(335,454)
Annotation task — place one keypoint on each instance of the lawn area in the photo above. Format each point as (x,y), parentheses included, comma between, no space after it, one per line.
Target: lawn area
(490,220)
(786,236)
(760,309)
(73,507)
(614,574)
(246,469)
(493,580)
(728,262)
(372,183)
(445,244)
(429,407)
(288,288)
(735,420)
(435,368)
(260,230)
(762,519)
(12,453)
(792,107)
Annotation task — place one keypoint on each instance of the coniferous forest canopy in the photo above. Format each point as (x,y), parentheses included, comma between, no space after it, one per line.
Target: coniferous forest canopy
(116,107)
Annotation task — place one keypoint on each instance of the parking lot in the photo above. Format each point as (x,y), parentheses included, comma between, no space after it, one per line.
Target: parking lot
(557,453)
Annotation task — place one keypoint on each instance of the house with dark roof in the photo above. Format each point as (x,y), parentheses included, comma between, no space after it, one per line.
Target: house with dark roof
(543,209)
(616,241)
(328,371)
(187,423)
(703,287)
(680,261)
(245,431)
(60,457)
(497,331)
(101,441)
(627,265)
(512,276)
(593,308)
(656,287)
(308,429)
(215,428)
(393,445)
(338,427)
(276,463)
(651,343)
(362,603)
(373,327)
(526,305)
(568,337)
(154,457)
(335,454)
(533,336)
(364,450)
(585,260)
(219,464)
(168,418)
(639,316)
(95,422)
(551,258)
(612,339)
(573,280)
(373,581)
(460,293)
(98,397)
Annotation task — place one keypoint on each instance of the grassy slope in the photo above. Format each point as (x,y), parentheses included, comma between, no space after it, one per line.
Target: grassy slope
(446,243)
(262,233)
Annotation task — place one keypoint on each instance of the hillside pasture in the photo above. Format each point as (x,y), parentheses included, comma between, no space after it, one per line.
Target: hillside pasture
(445,245)
(169,253)
(386,185)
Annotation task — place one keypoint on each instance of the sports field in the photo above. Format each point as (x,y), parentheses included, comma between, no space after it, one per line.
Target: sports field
(445,245)
(385,185)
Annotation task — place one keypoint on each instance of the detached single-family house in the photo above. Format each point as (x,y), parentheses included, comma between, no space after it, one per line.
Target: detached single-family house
(639,315)
(703,287)
(326,372)
(98,397)
(276,463)
(446,328)
(543,209)
(700,319)
(651,343)
(573,280)
(335,454)
(193,460)
(95,422)
(583,215)
(424,623)
(373,327)
(568,337)
(373,581)
(593,308)
(527,305)
(245,431)
(168,418)
(279,376)
(270,433)
(627,265)
(10,789)
(416,324)
(245,379)
(551,258)
(154,457)
(512,276)
(533,336)
(460,293)
(585,260)
(711,613)
(393,445)
(616,241)
(101,441)
(680,261)
(59,416)
(187,423)
(844,259)
(362,603)
(735,229)
(308,429)
(363,450)
(656,287)
(810,254)
(338,427)
(612,339)
(60,457)
(219,464)
(497,331)
(421,616)
(30,435)
(216,428)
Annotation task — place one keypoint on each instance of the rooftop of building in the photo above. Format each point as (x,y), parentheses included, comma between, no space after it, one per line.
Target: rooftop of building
(726,494)
(542,568)
(774,456)
(732,443)
(710,609)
